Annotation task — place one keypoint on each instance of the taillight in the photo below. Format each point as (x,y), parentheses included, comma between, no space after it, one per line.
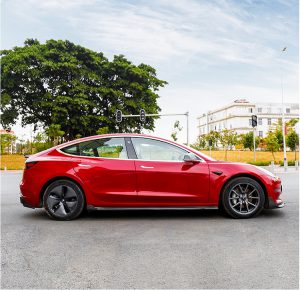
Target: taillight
(30,164)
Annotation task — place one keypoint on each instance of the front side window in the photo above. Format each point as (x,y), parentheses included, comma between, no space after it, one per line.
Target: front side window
(106,147)
(149,149)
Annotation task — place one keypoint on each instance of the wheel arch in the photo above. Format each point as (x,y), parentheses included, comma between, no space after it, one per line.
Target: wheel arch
(258,180)
(60,178)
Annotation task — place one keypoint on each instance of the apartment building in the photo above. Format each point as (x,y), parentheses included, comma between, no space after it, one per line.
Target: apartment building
(237,116)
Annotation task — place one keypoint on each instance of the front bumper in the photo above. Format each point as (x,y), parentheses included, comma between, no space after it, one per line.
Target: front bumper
(278,203)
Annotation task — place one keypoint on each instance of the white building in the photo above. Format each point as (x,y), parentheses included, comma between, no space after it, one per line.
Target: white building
(237,116)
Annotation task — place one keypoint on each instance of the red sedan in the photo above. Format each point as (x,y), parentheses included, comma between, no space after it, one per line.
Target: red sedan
(140,171)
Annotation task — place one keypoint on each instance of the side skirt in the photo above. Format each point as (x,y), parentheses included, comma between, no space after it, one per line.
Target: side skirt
(91,208)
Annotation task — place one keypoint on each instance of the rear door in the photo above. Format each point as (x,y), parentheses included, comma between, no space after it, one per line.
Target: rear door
(104,167)
(163,179)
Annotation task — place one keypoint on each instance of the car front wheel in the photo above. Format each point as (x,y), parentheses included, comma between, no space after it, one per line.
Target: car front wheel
(63,200)
(243,197)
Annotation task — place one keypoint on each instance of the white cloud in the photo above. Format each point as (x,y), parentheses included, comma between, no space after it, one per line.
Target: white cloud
(210,51)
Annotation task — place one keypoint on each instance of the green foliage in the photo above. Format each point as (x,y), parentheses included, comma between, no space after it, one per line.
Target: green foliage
(200,143)
(228,138)
(291,123)
(290,163)
(54,132)
(260,163)
(292,140)
(6,141)
(40,143)
(214,136)
(103,130)
(247,140)
(79,89)
(272,143)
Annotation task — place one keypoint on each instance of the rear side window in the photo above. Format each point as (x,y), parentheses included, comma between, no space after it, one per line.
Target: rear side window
(108,148)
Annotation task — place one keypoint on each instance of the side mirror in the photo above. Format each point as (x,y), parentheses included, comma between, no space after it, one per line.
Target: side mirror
(190,158)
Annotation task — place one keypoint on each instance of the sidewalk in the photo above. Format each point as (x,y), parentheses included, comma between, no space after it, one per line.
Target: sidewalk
(280,169)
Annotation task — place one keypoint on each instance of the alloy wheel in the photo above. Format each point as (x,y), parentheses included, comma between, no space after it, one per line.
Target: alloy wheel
(62,201)
(244,198)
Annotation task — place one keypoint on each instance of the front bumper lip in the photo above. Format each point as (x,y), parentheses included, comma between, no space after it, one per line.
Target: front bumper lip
(279,203)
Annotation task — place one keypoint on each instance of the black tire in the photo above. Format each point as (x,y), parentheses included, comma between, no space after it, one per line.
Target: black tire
(63,200)
(243,197)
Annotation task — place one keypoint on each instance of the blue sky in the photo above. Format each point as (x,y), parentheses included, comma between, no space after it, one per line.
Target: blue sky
(210,52)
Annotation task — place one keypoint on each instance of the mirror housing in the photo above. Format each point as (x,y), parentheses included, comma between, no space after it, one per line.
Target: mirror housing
(189,158)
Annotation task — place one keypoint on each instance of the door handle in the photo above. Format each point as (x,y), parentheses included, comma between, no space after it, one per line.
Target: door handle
(147,167)
(84,165)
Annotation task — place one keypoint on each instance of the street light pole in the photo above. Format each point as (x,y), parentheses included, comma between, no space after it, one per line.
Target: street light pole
(283,120)
(187,128)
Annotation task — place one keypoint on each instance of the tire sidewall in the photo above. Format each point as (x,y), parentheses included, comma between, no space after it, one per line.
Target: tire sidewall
(227,190)
(80,200)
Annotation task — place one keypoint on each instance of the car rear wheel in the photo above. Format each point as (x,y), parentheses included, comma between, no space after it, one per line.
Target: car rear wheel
(243,197)
(63,200)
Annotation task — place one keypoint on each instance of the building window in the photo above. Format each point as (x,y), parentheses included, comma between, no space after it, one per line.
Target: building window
(260,134)
(259,121)
(287,110)
(250,122)
(259,110)
(269,121)
(250,110)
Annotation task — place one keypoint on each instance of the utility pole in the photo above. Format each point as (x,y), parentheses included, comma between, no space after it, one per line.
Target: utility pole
(254,124)
(254,149)
(285,163)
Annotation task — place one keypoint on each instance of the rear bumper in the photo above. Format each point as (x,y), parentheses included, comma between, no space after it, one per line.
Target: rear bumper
(25,204)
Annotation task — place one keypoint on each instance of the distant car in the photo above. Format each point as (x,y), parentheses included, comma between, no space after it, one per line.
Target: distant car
(140,171)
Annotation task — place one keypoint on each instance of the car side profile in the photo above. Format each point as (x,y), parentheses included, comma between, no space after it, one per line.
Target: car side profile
(140,171)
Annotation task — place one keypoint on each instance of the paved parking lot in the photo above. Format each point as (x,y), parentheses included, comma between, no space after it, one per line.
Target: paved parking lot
(149,249)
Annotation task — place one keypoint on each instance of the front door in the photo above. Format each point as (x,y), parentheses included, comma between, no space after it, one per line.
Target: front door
(163,179)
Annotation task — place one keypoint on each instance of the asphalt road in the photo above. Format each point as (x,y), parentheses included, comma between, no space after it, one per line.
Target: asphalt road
(149,249)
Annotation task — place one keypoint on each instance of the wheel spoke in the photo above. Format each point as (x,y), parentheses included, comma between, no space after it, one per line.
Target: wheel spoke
(71,204)
(60,211)
(236,204)
(53,201)
(251,204)
(251,192)
(241,189)
(70,193)
(247,206)
(246,188)
(64,190)
(66,207)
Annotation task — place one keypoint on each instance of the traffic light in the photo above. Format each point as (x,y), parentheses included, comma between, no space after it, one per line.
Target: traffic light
(142,115)
(119,116)
(254,120)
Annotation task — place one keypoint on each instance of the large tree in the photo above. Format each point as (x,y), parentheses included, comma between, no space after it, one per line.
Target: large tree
(79,89)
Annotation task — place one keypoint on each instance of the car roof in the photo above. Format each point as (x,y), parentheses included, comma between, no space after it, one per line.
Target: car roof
(112,135)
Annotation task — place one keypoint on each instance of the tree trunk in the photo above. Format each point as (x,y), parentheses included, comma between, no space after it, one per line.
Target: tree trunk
(273,156)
